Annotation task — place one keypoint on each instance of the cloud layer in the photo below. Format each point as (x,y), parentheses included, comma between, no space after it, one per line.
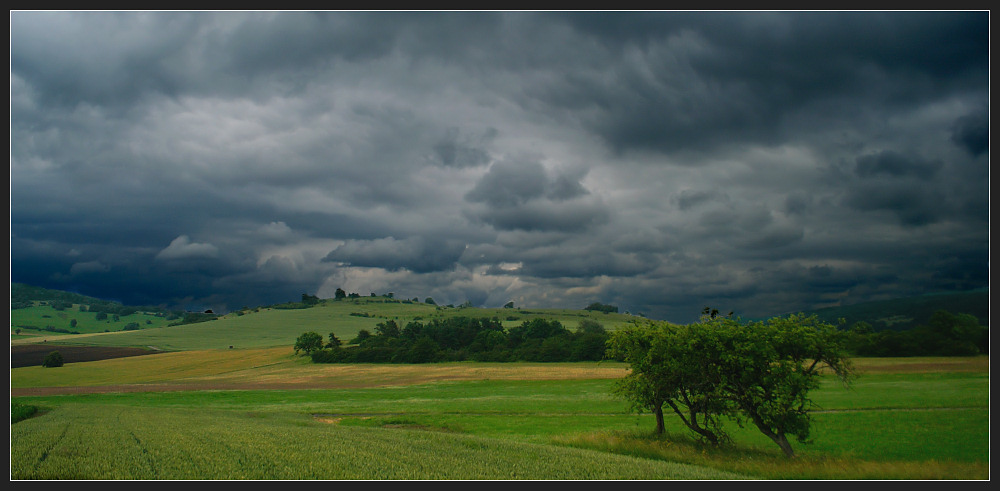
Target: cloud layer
(761,162)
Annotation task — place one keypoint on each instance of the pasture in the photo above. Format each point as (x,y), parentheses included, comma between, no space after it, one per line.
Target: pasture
(45,321)
(267,414)
(271,327)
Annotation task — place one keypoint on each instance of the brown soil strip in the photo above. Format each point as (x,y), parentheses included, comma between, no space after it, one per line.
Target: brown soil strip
(28,355)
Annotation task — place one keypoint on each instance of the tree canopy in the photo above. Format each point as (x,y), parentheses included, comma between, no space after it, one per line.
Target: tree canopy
(308,342)
(466,338)
(757,372)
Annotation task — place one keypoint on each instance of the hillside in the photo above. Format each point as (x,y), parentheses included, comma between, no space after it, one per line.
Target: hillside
(907,313)
(280,325)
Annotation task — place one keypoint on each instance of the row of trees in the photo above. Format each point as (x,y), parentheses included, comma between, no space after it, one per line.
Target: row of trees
(460,339)
(719,369)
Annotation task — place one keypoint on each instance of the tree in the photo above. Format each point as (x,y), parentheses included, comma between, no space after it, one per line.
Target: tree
(759,372)
(340,294)
(771,367)
(600,307)
(672,365)
(53,359)
(429,301)
(388,329)
(363,335)
(334,343)
(308,342)
(423,350)
(590,326)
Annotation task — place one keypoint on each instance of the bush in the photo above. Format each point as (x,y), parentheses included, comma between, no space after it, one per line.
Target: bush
(21,412)
(53,359)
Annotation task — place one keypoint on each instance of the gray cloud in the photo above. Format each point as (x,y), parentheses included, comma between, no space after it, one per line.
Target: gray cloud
(461,150)
(892,163)
(757,161)
(417,254)
(972,132)
(183,248)
(521,195)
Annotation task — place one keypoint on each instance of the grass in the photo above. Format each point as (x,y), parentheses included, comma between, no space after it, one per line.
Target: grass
(270,327)
(32,322)
(915,421)
(158,443)
(769,465)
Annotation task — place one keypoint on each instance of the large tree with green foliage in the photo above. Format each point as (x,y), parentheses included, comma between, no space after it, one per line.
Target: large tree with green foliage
(758,372)
(672,366)
(771,367)
(308,342)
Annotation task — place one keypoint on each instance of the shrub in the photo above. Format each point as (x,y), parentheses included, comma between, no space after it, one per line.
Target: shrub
(21,412)
(53,359)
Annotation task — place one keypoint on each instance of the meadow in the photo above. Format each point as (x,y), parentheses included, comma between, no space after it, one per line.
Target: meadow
(268,414)
(229,399)
(44,320)
(268,327)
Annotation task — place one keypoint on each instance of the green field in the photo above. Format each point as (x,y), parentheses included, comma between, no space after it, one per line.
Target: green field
(230,400)
(268,327)
(33,321)
(902,419)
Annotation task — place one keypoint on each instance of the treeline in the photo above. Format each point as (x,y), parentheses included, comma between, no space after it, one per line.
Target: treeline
(944,334)
(462,339)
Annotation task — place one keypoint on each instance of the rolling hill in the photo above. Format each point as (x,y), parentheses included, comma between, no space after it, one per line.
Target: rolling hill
(906,313)
(279,325)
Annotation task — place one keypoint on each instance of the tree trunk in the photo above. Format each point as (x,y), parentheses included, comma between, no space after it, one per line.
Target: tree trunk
(659,420)
(692,423)
(783,443)
(778,438)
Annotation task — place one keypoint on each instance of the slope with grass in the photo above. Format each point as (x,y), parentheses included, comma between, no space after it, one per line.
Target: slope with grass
(909,312)
(44,320)
(269,327)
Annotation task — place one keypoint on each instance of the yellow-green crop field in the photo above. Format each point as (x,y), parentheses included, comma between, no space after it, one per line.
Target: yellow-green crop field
(229,399)
(267,414)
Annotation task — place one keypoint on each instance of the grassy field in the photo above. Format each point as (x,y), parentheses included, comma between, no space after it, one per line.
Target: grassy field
(33,321)
(269,327)
(265,413)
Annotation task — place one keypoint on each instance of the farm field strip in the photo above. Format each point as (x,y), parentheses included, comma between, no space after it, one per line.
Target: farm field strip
(185,444)
(891,419)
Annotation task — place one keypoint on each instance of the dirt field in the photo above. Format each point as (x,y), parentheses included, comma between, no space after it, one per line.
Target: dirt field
(34,354)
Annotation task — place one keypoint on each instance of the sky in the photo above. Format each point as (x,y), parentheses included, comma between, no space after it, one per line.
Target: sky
(758,162)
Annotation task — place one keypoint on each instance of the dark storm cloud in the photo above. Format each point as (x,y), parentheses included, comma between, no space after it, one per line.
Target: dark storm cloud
(417,254)
(910,205)
(693,81)
(462,150)
(972,132)
(893,163)
(509,184)
(662,161)
(520,195)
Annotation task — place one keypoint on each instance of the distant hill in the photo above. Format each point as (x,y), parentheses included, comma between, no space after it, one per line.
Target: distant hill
(27,297)
(21,293)
(906,313)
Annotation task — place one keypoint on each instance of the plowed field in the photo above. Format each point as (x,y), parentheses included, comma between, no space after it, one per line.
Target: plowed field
(34,354)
